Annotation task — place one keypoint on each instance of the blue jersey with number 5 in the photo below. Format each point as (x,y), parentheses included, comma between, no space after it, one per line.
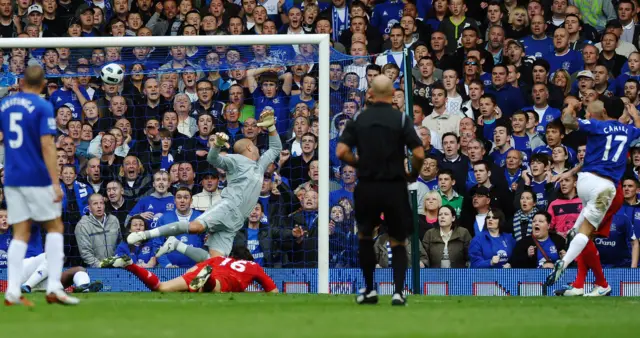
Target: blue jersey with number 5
(24,118)
(607,147)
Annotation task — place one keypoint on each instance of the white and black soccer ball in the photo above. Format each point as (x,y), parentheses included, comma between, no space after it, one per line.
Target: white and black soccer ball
(112,74)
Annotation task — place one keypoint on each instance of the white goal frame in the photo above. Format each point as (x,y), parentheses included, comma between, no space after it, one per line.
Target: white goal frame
(323,42)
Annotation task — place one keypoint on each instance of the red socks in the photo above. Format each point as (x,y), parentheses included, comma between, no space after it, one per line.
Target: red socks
(147,277)
(590,259)
(582,272)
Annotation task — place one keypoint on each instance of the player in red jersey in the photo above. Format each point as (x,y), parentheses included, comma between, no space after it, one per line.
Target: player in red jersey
(218,274)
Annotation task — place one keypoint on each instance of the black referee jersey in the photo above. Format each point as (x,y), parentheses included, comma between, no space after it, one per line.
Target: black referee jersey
(380,134)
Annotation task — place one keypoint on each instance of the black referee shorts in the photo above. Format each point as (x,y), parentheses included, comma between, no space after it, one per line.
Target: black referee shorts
(391,198)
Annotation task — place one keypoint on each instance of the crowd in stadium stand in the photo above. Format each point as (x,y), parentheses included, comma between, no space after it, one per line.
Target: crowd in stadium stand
(490,80)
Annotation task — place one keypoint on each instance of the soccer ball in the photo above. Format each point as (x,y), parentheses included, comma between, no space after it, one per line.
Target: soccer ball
(112,74)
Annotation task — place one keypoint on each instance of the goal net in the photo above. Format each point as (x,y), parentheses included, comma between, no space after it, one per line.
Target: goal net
(176,92)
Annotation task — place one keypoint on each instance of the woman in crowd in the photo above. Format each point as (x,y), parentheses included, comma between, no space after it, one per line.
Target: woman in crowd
(143,254)
(523,218)
(447,246)
(493,247)
(540,250)
(432,203)
(560,160)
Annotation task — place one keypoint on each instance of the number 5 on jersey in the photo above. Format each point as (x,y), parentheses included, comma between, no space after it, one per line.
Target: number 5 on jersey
(14,127)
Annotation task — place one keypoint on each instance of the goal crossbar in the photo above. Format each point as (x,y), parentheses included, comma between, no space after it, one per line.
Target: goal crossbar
(323,42)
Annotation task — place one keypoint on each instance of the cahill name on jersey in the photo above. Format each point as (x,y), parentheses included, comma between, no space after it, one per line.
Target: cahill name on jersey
(24,118)
(607,147)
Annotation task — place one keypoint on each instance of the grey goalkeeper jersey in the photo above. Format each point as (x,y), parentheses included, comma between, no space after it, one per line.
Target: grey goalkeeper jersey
(244,176)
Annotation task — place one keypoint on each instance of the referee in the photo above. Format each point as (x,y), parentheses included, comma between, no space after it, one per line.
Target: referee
(379,134)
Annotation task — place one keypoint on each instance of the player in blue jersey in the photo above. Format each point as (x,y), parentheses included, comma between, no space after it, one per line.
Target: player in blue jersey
(602,169)
(32,188)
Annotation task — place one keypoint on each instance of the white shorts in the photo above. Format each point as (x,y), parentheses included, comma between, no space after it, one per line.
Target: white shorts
(30,266)
(31,203)
(596,194)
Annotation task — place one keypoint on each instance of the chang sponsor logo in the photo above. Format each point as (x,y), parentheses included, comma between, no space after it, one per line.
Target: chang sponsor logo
(605,242)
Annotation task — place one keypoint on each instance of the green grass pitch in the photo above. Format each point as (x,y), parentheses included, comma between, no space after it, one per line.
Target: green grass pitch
(148,315)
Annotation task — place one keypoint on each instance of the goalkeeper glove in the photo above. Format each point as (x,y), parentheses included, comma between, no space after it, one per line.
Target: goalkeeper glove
(221,140)
(267,120)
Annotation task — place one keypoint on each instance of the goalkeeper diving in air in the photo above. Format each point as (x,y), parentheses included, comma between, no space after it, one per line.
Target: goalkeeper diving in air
(245,172)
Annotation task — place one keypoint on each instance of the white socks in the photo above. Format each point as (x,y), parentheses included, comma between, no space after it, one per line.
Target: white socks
(15,266)
(81,278)
(39,275)
(575,248)
(53,249)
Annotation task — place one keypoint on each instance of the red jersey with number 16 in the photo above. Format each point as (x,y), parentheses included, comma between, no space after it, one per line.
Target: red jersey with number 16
(237,275)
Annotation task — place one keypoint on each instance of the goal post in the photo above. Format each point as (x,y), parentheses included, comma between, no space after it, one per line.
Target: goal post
(323,42)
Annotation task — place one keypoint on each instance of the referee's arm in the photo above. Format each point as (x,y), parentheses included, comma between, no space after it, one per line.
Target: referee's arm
(346,143)
(413,142)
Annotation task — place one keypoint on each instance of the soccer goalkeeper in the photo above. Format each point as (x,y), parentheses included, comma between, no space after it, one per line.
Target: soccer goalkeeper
(245,172)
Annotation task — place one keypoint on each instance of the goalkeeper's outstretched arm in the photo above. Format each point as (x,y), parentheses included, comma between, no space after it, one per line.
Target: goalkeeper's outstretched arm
(214,158)
(275,145)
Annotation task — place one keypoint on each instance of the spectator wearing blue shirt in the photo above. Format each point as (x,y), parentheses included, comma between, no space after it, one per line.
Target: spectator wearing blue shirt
(232,127)
(70,93)
(435,15)
(142,254)
(544,191)
(489,116)
(564,57)
(261,239)
(75,194)
(620,249)
(633,73)
(348,177)
(554,134)
(538,44)
(540,250)
(308,87)
(167,156)
(387,14)
(508,98)
(5,238)
(160,201)
(522,140)
(631,206)
(546,114)
(501,143)
(266,94)
(174,252)
(492,248)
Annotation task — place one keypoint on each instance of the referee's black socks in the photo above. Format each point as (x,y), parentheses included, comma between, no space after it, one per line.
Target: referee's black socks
(399,263)
(367,261)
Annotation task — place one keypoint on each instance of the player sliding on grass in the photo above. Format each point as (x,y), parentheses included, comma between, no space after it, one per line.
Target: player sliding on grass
(245,173)
(218,274)
(604,165)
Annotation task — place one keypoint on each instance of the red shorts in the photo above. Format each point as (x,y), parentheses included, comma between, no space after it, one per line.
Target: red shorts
(616,204)
(189,276)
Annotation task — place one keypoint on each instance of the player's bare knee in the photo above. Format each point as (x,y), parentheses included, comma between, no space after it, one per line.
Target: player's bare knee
(22,231)
(54,226)
(586,228)
(196,227)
